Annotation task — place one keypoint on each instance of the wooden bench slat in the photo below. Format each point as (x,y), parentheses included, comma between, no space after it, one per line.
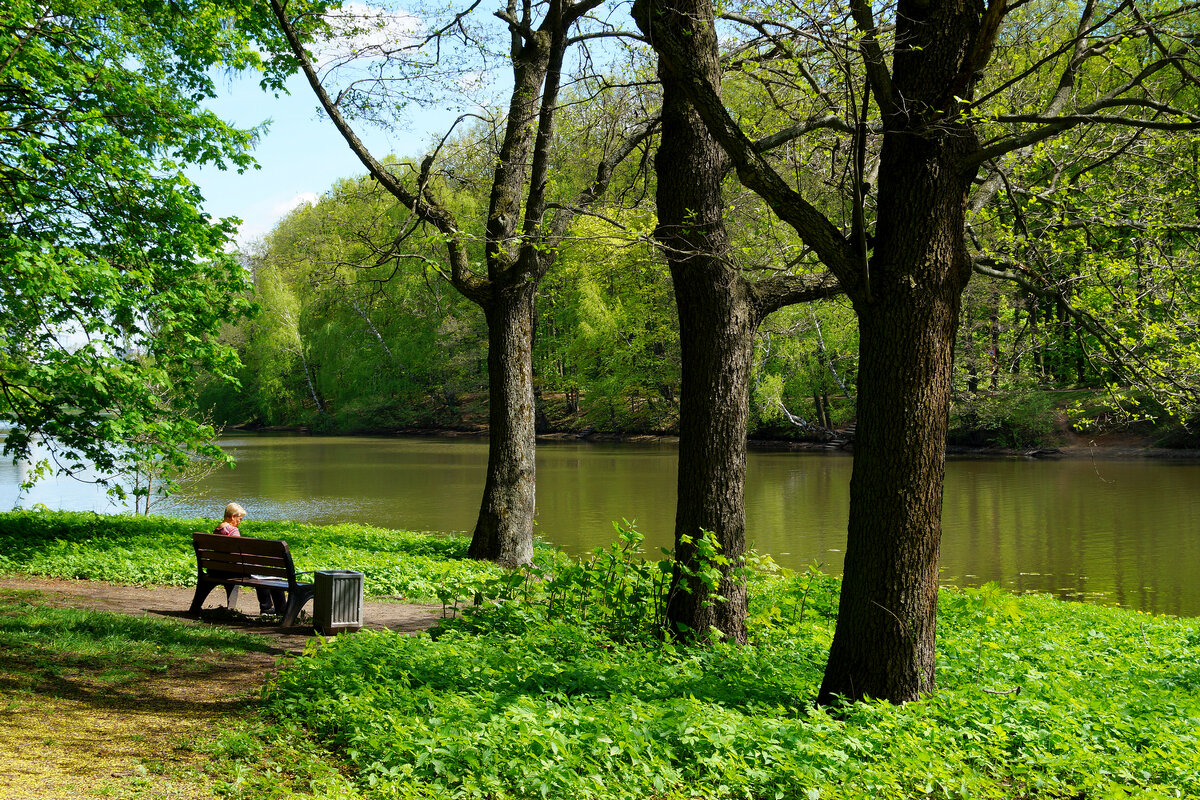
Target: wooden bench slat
(260,547)
(222,560)
(226,571)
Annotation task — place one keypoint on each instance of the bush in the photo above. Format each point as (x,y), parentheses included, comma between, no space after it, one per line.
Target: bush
(1016,419)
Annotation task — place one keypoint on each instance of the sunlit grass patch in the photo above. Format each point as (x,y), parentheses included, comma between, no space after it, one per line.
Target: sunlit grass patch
(144,551)
(103,646)
(112,705)
(513,704)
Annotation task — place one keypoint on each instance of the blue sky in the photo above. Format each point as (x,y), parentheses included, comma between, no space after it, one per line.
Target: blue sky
(300,157)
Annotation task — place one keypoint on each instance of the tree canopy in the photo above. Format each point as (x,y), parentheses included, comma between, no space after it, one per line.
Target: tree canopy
(115,284)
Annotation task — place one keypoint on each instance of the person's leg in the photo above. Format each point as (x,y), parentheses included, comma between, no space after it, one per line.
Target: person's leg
(265,601)
(279,598)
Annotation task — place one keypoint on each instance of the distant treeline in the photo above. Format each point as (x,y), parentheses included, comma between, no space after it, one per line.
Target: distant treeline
(359,331)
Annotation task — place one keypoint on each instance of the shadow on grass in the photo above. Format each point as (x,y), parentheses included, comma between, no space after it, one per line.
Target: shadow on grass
(116,660)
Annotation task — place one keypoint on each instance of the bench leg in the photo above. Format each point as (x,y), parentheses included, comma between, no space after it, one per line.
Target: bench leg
(203,588)
(296,601)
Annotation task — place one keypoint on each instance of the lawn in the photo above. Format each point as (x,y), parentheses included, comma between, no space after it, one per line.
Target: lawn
(552,682)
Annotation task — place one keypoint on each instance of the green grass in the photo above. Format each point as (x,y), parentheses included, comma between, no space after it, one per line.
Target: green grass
(158,551)
(511,704)
(113,649)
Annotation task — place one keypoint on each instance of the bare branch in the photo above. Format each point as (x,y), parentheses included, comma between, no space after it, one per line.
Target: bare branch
(873,59)
(468,283)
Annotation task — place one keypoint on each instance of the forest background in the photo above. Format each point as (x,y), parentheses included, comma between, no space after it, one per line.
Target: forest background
(358,331)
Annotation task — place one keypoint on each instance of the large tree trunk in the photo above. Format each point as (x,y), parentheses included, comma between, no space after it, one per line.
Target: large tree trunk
(883,645)
(716,333)
(719,313)
(503,530)
(908,315)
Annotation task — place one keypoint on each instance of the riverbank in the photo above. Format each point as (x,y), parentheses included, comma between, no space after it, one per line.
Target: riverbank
(526,697)
(1067,444)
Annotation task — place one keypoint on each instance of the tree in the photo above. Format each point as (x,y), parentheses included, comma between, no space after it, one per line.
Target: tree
(606,337)
(719,313)
(348,338)
(923,68)
(524,227)
(114,283)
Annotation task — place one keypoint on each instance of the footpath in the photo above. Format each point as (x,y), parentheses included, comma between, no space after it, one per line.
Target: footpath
(80,739)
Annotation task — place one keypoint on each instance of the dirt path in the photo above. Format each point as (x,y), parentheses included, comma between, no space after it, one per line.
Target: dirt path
(79,739)
(172,602)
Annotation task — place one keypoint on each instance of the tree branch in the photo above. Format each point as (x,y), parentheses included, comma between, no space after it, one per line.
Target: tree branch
(467,282)
(873,60)
(772,294)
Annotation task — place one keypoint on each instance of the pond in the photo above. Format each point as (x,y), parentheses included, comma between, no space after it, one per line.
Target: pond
(1121,532)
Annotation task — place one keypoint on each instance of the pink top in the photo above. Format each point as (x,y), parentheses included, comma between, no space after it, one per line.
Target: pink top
(227,529)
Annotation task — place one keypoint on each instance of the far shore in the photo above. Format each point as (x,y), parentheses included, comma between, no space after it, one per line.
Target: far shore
(1077,446)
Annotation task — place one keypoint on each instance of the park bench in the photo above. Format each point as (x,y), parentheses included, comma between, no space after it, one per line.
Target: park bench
(234,561)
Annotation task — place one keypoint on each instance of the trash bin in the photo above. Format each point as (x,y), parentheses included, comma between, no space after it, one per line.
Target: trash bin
(338,601)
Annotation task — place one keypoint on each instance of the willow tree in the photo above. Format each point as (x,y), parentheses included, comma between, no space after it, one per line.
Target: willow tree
(923,105)
(525,221)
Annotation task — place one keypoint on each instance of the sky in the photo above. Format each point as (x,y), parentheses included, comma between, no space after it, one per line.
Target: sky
(300,157)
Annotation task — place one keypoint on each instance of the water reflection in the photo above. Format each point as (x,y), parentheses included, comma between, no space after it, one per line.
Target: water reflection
(1109,531)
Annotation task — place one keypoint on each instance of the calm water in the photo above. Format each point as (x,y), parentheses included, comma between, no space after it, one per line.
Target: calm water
(1125,532)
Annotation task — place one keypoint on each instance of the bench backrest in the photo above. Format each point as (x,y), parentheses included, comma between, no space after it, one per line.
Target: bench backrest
(243,556)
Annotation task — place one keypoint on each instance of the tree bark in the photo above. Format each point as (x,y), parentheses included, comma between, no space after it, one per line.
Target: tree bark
(716,333)
(719,314)
(502,531)
(883,645)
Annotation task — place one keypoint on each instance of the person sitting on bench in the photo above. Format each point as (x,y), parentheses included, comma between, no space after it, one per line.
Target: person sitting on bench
(270,601)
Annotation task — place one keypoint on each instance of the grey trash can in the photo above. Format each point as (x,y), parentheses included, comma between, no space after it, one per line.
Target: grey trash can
(338,601)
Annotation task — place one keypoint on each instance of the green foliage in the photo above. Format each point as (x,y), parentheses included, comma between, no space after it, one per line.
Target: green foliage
(607,337)
(805,369)
(158,551)
(115,283)
(552,708)
(1099,226)
(615,590)
(1019,417)
(351,340)
(510,701)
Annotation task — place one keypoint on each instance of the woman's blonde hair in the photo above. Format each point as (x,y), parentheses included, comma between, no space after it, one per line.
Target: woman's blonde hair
(234,510)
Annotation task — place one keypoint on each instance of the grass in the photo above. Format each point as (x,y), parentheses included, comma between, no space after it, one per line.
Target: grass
(146,551)
(556,686)
(1037,699)
(112,705)
(97,704)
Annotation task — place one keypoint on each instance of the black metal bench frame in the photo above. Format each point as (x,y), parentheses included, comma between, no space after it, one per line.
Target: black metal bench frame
(234,561)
